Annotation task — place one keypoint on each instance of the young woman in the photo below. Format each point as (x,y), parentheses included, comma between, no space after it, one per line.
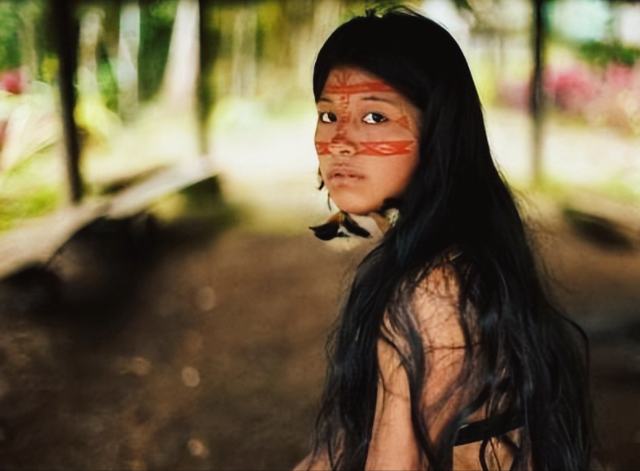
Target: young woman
(448,353)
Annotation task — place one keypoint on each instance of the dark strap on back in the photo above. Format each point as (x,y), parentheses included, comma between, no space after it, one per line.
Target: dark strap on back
(488,428)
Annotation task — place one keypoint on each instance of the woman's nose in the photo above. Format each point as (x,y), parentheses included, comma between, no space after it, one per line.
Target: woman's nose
(341,145)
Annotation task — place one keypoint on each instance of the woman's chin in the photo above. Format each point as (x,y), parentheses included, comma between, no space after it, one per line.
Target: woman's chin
(355,207)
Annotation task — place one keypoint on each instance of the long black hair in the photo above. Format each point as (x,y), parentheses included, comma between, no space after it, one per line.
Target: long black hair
(521,351)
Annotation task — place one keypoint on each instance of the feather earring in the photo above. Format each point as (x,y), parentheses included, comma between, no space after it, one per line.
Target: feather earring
(339,224)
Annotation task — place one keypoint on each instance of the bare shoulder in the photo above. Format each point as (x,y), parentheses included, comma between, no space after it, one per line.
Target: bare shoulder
(436,307)
(441,284)
(314,463)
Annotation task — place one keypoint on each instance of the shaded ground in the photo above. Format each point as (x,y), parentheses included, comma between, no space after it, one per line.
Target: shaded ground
(600,287)
(208,354)
(213,360)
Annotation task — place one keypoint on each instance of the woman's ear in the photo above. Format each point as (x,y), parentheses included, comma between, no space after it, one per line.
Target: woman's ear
(320,180)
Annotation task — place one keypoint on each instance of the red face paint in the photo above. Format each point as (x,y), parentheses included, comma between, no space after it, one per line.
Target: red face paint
(322,148)
(404,122)
(376,157)
(343,117)
(344,84)
(338,84)
(373,148)
(382,148)
(358,88)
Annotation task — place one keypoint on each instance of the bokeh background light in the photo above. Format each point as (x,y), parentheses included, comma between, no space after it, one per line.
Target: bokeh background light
(162,302)
(137,103)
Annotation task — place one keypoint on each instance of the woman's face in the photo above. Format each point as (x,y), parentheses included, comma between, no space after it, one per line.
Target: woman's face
(366,140)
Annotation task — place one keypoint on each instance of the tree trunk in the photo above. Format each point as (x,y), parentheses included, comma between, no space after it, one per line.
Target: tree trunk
(66,32)
(181,72)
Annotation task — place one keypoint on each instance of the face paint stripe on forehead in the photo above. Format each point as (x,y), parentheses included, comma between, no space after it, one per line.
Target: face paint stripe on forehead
(339,83)
(364,87)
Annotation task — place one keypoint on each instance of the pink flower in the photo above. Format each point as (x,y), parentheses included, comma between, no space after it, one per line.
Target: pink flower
(12,82)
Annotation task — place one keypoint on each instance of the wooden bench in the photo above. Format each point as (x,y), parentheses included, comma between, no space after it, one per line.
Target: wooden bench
(36,241)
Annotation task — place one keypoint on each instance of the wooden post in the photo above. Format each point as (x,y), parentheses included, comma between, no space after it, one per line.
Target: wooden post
(209,41)
(536,96)
(66,33)
(127,62)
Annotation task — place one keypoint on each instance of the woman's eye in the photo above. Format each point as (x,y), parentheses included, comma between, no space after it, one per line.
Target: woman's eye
(328,117)
(374,118)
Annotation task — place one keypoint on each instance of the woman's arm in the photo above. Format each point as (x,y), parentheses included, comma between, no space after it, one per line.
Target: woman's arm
(393,444)
(319,463)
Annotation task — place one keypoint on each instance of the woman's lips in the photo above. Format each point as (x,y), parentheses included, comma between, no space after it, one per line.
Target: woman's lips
(338,174)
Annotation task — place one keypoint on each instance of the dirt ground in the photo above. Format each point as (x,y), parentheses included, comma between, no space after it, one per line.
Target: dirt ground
(205,351)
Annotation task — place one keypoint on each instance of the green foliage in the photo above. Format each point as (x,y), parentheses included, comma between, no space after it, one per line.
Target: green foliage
(9,37)
(22,37)
(49,68)
(38,202)
(559,190)
(108,84)
(156,23)
(30,189)
(600,53)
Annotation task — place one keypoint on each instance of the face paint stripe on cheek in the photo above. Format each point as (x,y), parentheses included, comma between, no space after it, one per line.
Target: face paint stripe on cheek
(383,148)
(377,148)
(322,148)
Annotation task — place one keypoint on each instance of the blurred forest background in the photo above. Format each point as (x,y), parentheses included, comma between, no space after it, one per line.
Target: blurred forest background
(126,344)
(140,104)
